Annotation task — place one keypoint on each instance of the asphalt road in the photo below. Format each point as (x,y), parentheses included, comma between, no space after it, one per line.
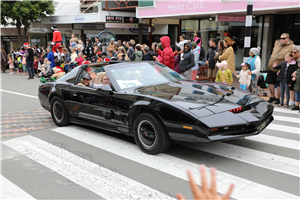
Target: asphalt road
(43,161)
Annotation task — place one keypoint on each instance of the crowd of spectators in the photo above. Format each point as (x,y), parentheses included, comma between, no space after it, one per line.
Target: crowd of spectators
(185,58)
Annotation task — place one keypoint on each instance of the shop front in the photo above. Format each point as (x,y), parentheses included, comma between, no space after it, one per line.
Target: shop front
(9,38)
(39,36)
(217,19)
(221,26)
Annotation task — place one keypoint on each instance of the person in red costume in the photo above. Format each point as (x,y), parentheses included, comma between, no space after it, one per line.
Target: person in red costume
(167,54)
(57,40)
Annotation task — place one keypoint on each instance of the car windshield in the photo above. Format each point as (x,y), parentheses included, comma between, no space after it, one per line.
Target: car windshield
(143,73)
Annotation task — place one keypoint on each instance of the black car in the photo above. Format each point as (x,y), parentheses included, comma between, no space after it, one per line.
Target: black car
(155,105)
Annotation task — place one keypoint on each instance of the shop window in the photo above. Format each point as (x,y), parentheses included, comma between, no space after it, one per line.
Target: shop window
(297,22)
(288,21)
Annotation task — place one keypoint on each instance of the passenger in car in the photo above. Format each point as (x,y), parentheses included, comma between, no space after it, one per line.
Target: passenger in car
(104,80)
(86,80)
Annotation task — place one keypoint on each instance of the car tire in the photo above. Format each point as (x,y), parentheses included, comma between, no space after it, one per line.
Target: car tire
(59,112)
(150,134)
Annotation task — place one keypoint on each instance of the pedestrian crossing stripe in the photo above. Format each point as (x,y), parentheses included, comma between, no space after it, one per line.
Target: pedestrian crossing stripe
(286,110)
(281,142)
(104,182)
(283,128)
(12,191)
(287,119)
(258,158)
(244,189)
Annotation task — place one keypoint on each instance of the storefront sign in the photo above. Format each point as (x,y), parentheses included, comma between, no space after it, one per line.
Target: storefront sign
(144,29)
(88,27)
(192,7)
(114,19)
(10,38)
(71,19)
(112,25)
(39,30)
(53,20)
(157,29)
(131,20)
(79,19)
(231,18)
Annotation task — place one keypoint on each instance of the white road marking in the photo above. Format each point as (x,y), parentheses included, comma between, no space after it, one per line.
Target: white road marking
(286,110)
(253,157)
(244,189)
(288,119)
(283,128)
(104,182)
(277,141)
(25,95)
(12,191)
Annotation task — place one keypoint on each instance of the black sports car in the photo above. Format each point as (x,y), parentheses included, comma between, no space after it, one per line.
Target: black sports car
(155,105)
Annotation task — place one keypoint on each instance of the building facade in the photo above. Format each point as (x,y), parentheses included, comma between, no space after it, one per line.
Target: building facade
(217,19)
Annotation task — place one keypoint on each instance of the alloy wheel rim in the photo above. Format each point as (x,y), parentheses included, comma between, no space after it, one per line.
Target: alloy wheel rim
(147,133)
(58,112)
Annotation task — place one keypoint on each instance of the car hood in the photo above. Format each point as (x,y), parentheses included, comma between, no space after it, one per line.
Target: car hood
(201,99)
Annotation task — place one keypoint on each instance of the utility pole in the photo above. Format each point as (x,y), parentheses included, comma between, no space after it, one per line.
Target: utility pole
(247,40)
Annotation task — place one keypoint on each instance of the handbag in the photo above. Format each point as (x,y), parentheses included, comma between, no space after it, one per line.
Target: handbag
(261,82)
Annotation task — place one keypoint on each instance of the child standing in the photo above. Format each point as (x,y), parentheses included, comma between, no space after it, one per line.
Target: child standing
(99,54)
(224,75)
(11,64)
(177,60)
(195,50)
(296,78)
(287,68)
(243,77)
(73,56)
(25,72)
(48,70)
(18,63)
(36,65)
(79,60)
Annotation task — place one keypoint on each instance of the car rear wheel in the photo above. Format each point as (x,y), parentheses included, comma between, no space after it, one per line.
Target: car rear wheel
(59,112)
(150,134)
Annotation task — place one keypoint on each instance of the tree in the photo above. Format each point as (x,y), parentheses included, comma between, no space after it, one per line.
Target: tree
(22,13)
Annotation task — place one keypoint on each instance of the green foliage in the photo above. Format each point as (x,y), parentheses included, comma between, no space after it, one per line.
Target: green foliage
(24,11)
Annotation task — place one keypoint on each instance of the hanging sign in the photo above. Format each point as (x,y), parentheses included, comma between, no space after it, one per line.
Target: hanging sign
(131,20)
(231,18)
(114,19)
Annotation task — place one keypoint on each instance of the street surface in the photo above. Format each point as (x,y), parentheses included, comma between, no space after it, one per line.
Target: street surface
(43,161)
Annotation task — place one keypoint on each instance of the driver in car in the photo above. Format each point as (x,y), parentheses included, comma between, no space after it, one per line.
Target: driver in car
(86,80)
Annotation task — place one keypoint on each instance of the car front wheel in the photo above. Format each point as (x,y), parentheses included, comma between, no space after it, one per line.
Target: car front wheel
(59,112)
(150,134)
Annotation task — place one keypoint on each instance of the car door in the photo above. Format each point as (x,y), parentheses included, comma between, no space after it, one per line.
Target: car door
(93,107)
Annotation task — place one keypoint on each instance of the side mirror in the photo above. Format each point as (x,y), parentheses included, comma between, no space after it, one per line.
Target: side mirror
(105,88)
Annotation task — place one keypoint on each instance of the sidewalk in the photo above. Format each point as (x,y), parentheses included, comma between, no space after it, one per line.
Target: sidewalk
(260,91)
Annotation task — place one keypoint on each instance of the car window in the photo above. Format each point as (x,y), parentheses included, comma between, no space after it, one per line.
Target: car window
(70,77)
(90,70)
(143,73)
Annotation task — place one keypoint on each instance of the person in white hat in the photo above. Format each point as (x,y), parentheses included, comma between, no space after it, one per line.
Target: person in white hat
(224,75)
(255,65)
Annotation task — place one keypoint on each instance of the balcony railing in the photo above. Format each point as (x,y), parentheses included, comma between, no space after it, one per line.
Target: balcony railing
(119,5)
